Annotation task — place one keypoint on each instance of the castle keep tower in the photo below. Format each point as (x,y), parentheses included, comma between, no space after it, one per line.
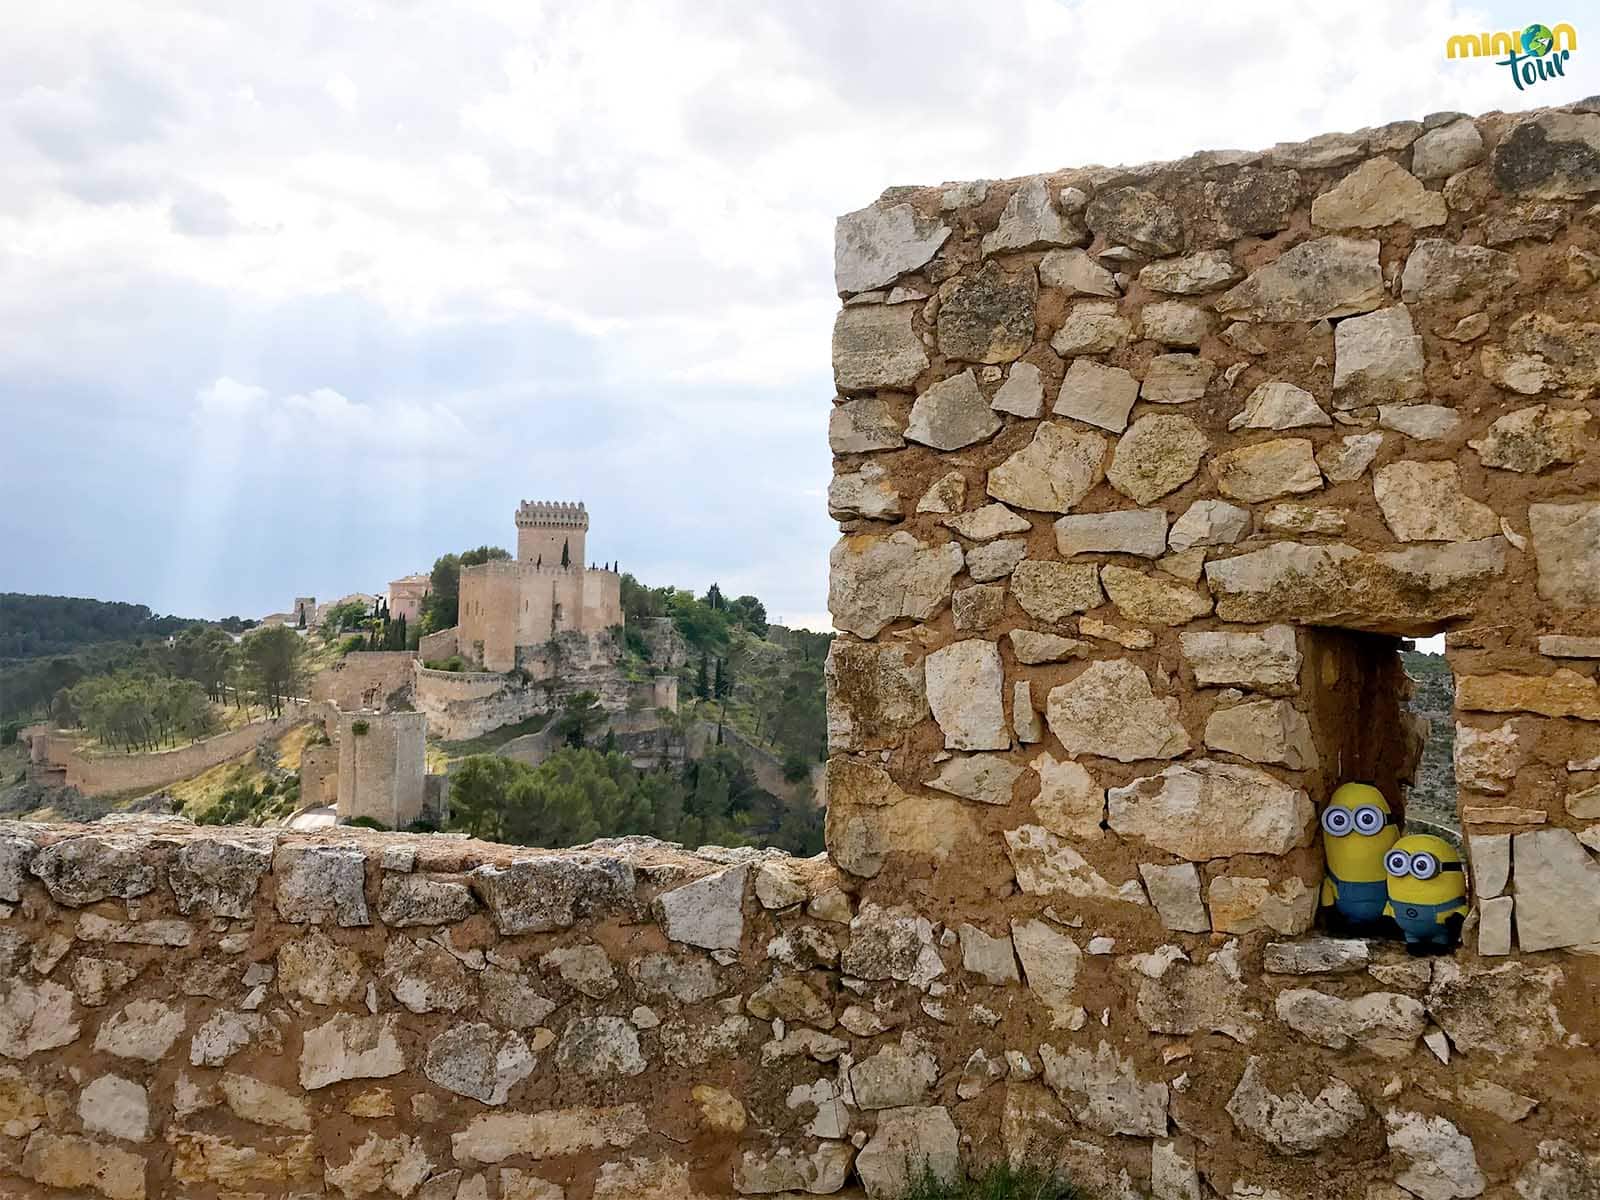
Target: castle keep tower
(545,527)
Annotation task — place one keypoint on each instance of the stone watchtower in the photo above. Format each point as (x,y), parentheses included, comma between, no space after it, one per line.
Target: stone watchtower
(546,527)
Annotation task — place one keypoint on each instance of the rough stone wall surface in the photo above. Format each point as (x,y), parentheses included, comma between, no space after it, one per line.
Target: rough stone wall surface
(1142,472)
(435,647)
(507,606)
(370,679)
(319,776)
(96,774)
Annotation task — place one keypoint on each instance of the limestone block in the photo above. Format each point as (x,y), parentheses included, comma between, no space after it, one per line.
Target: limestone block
(1490,856)
(1487,760)
(1050,961)
(1266,470)
(1531,439)
(1157,455)
(1494,926)
(1326,277)
(1175,892)
(1379,192)
(86,869)
(1092,327)
(601,1047)
(1446,150)
(313,884)
(250,1099)
(1053,591)
(1105,1092)
(1377,357)
(555,1132)
(1337,584)
(1349,457)
(987,315)
(1563,693)
(874,346)
(1133,217)
(1299,519)
(220,875)
(906,1143)
(1424,502)
(1209,523)
(425,977)
(1032,647)
(1436,1160)
(1557,891)
(867,493)
(1174,323)
(987,523)
(1070,803)
(990,957)
(708,913)
(1110,710)
(1096,394)
(406,900)
(1267,660)
(1247,904)
(1560,1172)
(965,682)
(1316,956)
(1191,275)
(317,969)
(1053,472)
(1293,1122)
(1022,394)
(1176,378)
(876,694)
(1025,721)
(1420,422)
(874,580)
(896,1075)
(1151,600)
(1566,546)
(1264,731)
(227,1033)
(60,1161)
(1280,405)
(35,1017)
(1047,865)
(977,607)
(947,494)
(1180,999)
(864,424)
(1031,220)
(1439,270)
(540,895)
(142,1029)
(1140,531)
(985,778)
(1387,1024)
(995,560)
(1202,809)
(1549,156)
(874,246)
(951,414)
(1077,274)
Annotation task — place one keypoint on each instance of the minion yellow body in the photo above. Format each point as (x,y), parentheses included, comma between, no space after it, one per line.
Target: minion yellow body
(1357,830)
(1427,891)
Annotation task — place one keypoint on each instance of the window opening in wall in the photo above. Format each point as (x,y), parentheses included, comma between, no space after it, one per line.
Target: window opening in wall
(1388,826)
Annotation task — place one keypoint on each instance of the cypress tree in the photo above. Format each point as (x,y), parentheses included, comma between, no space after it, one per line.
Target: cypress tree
(566,554)
(702,686)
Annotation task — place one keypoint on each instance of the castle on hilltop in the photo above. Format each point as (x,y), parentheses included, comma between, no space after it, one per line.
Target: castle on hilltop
(509,609)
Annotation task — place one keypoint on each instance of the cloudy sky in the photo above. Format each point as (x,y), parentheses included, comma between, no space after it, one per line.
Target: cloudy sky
(299,296)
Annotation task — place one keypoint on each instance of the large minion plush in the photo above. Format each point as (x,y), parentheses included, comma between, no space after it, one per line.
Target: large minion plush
(1427,892)
(1357,831)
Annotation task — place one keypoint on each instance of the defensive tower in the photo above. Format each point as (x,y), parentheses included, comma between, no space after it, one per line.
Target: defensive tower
(547,527)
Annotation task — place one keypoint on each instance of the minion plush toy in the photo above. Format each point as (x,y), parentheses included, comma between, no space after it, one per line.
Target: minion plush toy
(1427,892)
(1357,830)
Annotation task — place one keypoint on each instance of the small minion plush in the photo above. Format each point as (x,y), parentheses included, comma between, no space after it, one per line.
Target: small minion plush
(1427,892)
(1357,831)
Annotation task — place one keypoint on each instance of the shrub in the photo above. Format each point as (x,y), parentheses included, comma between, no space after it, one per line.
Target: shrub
(368,823)
(359,728)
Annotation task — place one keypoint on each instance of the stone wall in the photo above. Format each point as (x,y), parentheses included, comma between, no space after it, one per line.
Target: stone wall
(370,679)
(1143,472)
(466,704)
(508,606)
(243,1013)
(436,647)
(97,774)
(319,776)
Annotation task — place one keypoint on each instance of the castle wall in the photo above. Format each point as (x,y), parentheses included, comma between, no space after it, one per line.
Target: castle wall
(467,704)
(436,647)
(381,767)
(98,774)
(1141,477)
(319,776)
(505,605)
(374,679)
(278,1015)
(545,528)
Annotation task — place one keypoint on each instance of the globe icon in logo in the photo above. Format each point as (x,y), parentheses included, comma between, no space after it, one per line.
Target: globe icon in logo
(1537,40)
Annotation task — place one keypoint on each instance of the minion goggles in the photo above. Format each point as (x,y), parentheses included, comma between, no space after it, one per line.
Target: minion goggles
(1418,866)
(1367,819)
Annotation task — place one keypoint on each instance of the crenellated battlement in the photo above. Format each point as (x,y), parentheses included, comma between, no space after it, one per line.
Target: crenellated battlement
(560,513)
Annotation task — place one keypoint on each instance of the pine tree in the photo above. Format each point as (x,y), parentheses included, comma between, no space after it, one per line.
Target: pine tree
(302,616)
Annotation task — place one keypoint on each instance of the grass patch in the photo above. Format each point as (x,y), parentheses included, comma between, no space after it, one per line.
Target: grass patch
(492,740)
(1001,1181)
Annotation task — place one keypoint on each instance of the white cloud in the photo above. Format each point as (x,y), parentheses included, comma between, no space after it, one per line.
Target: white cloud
(645,192)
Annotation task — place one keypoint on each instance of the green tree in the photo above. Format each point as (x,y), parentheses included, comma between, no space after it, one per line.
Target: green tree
(274,658)
(750,614)
(441,607)
(581,715)
(702,682)
(344,616)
